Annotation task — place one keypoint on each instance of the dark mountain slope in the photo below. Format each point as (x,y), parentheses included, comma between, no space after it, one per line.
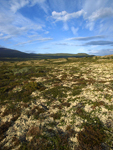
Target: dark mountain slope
(5,52)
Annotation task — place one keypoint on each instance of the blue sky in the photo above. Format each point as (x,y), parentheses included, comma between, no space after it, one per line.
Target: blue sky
(57,26)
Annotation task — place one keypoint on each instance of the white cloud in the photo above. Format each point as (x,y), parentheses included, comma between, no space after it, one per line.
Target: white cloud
(101,14)
(91,6)
(111,50)
(12,25)
(74,30)
(17,4)
(47,32)
(64,16)
(1,34)
(37,1)
(90,25)
(97,12)
(44,39)
(101,52)
(34,40)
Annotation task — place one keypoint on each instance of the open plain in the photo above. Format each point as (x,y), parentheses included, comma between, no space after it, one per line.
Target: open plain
(57,104)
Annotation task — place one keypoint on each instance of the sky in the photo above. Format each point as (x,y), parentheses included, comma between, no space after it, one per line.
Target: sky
(57,26)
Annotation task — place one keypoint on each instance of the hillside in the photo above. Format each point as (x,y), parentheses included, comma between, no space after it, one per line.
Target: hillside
(9,53)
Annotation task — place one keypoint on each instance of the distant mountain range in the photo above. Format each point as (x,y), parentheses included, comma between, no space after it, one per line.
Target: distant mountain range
(10,53)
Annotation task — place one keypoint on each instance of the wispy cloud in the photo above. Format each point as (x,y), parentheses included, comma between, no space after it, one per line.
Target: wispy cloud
(1,34)
(101,14)
(12,25)
(87,38)
(45,48)
(65,26)
(101,52)
(99,43)
(44,39)
(34,40)
(74,30)
(1,46)
(46,32)
(15,5)
(91,6)
(65,44)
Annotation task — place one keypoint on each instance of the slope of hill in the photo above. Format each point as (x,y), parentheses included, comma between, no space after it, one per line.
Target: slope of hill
(9,53)
(5,52)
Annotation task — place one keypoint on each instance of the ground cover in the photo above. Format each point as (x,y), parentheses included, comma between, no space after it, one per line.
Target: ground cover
(64,104)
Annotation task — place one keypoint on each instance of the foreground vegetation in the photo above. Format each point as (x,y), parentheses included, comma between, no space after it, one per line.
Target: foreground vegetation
(56,104)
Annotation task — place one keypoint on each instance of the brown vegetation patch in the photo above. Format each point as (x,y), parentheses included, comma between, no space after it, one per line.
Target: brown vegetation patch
(56,115)
(15,117)
(4,127)
(97,104)
(57,106)
(10,110)
(15,141)
(36,111)
(24,105)
(34,131)
(91,81)
(61,105)
(66,104)
(63,77)
(80,112)
(91,137)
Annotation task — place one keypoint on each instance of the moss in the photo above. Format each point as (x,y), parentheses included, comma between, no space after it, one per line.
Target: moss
(56,92)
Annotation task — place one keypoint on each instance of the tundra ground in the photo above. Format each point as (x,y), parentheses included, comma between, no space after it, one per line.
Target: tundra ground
(56,104)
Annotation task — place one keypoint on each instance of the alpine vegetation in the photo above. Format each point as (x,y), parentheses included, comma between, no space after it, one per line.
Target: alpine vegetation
(57,104)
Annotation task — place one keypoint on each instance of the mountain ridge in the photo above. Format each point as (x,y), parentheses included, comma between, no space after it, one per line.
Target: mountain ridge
(11,53)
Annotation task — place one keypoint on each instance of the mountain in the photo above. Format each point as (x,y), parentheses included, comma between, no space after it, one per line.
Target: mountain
(10,53)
